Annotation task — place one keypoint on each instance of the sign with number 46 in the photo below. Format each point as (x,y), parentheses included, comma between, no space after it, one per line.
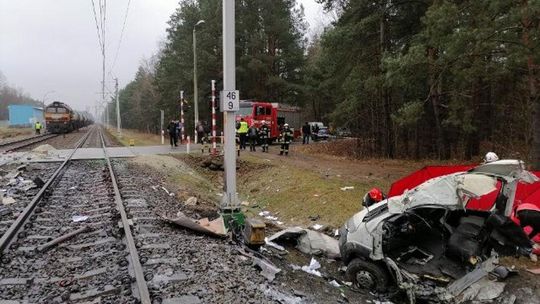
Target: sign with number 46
(230,101)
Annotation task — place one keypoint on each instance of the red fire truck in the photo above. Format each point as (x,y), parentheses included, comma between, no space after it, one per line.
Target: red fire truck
(275,115)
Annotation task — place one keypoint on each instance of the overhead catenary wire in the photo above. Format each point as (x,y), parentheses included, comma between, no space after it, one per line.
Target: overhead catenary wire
(97,24)
(121,35)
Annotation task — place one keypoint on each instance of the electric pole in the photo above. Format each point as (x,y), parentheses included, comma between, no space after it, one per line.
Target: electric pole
(118,122)
(229,105)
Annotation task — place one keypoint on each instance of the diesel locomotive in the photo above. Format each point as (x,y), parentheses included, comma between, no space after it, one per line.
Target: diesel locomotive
(61,118)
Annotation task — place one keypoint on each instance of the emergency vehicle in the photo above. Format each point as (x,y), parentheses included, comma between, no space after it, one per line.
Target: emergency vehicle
(275,115)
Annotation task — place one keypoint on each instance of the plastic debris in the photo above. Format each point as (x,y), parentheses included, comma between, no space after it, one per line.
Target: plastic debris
(317,227)
(267,215)
(347,188)
(335,284)
(79,218)
(312,268)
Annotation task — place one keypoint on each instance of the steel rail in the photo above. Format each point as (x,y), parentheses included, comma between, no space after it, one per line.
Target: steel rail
(12,142)
(25,142)
(8,236)
(137,268)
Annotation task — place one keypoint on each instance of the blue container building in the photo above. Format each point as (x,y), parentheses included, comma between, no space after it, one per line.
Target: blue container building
(25,115)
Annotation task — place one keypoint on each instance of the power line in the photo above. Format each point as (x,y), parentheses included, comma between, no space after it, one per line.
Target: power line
(121,35)
(97,24)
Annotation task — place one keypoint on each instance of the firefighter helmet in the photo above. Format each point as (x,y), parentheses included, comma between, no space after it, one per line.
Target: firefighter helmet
(286,125)
(373,196)
(491,157)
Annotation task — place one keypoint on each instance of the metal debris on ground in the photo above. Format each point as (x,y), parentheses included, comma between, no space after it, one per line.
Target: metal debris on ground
(62,238)
(268,270)
(79,218)
(309,241)
(483,290)
(274,245)
(213,228)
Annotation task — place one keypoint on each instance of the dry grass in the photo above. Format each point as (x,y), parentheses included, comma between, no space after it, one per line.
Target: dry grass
(181,179)
(140,138)
(295,194)
(292,193)
(7,134)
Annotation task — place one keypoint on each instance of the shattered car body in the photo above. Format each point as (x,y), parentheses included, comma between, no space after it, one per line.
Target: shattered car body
(425,239)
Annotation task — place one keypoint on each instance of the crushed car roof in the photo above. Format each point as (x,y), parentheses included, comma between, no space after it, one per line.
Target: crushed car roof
(454,190)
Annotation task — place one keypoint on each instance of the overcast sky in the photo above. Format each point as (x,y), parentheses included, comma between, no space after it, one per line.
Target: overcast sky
(52,45)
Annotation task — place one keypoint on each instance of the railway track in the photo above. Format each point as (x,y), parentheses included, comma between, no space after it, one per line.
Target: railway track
(25,142)
(100,262)
(120,251)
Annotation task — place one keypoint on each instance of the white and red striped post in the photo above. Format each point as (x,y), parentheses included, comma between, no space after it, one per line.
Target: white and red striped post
(182,116)
(214,148)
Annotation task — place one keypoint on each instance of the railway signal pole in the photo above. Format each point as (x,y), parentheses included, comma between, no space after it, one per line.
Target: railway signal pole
(214,148)
(229,105)
(182,128)
(118,128)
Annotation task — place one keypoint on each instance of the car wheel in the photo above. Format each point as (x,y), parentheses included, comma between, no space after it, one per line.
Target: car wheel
(367,275)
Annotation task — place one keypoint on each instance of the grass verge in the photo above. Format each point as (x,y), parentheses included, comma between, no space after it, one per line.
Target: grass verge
(12,133)
(140,138)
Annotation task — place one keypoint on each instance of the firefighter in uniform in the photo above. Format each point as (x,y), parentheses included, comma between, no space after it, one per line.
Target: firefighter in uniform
(286,138)
(253,135)
(264,134)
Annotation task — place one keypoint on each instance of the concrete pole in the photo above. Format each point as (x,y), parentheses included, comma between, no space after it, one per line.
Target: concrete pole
(182,116)
(162,121)
(230,200)
(195,88)
(214,147)
(118,128)
(107,118)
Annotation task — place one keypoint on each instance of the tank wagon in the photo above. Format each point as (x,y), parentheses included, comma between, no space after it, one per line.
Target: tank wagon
(61,118)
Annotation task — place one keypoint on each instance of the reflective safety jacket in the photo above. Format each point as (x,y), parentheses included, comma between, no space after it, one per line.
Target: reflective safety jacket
(286,136)
(264,132)
(38,126)
(243,127)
